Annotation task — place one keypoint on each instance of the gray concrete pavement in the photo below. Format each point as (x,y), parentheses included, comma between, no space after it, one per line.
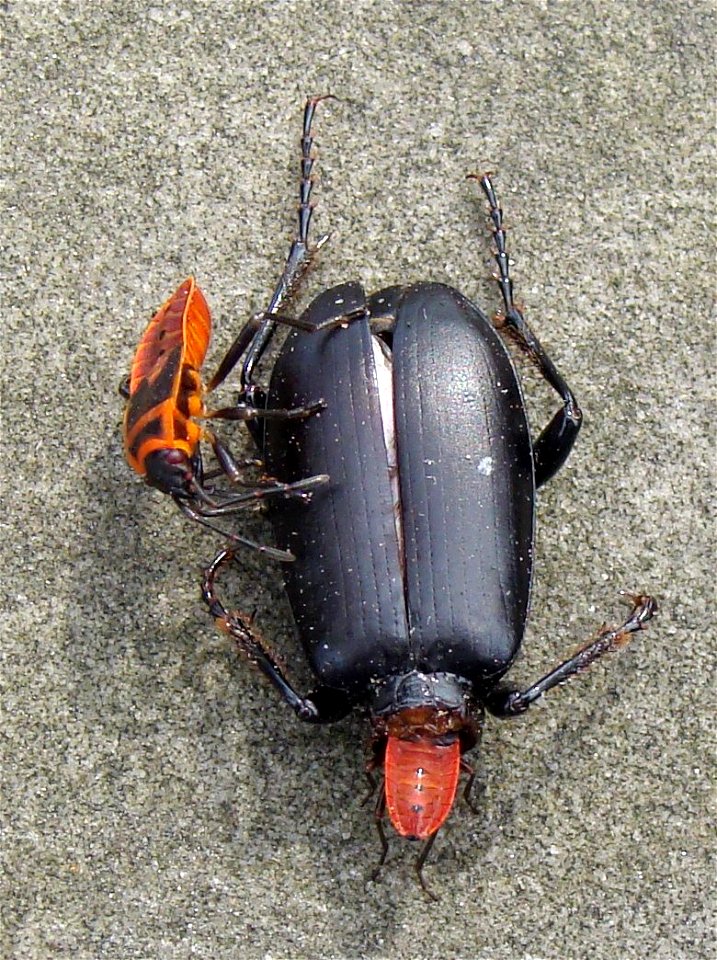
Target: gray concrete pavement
(157,801)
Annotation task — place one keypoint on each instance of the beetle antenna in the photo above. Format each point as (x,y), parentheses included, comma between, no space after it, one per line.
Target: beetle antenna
(499,236)
(555,442)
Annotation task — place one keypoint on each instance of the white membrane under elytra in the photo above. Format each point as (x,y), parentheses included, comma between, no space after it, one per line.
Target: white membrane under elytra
(384,377)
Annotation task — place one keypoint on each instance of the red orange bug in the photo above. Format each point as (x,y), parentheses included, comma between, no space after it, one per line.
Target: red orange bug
(165,399)
(165,394)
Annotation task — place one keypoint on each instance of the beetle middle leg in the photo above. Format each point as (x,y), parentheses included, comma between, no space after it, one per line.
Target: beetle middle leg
(554,444)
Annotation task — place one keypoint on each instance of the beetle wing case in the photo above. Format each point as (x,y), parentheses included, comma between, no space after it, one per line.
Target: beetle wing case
(346,585)
(456,601)
(467,489)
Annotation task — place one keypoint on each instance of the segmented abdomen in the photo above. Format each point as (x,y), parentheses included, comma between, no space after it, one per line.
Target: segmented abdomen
(421,777)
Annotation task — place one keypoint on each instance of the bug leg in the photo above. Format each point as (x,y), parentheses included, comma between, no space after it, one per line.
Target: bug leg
(123,388)
(232,469)
(250,463)
(215,506)
(198,516)
(556,440)
(504,702)
(300,254)
(298,489)
(244,411)
(378,814)
(419,867)
(322,706)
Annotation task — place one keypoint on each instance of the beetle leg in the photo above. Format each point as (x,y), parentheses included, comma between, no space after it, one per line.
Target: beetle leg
(504,702)
(252,327)
(556,440)
(383,310)
(301,253)
(321,706)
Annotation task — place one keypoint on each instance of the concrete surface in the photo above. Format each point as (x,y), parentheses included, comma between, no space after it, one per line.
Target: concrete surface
(157,800)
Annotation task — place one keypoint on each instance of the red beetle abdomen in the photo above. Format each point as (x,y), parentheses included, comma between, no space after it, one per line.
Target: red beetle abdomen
(421,778)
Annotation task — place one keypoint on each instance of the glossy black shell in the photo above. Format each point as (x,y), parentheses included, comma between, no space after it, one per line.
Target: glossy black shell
(457,602)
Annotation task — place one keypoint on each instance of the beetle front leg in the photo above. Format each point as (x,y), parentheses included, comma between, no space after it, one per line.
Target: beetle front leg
(554,444)
(503,702)
(322,706)
(249,332)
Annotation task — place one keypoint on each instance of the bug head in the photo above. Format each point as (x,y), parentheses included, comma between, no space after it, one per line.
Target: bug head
(170,471)
(426,723)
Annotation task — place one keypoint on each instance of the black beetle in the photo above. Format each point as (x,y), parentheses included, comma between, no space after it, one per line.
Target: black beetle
(411,583)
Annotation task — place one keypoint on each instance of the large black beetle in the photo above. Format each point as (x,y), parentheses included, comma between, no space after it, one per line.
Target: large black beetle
(411,580)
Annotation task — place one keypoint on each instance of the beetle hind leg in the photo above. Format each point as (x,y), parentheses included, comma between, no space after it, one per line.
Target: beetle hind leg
(324,705)
(555,442)
(300,255)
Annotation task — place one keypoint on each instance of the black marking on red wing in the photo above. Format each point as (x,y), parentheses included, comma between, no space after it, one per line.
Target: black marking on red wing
(153,391)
